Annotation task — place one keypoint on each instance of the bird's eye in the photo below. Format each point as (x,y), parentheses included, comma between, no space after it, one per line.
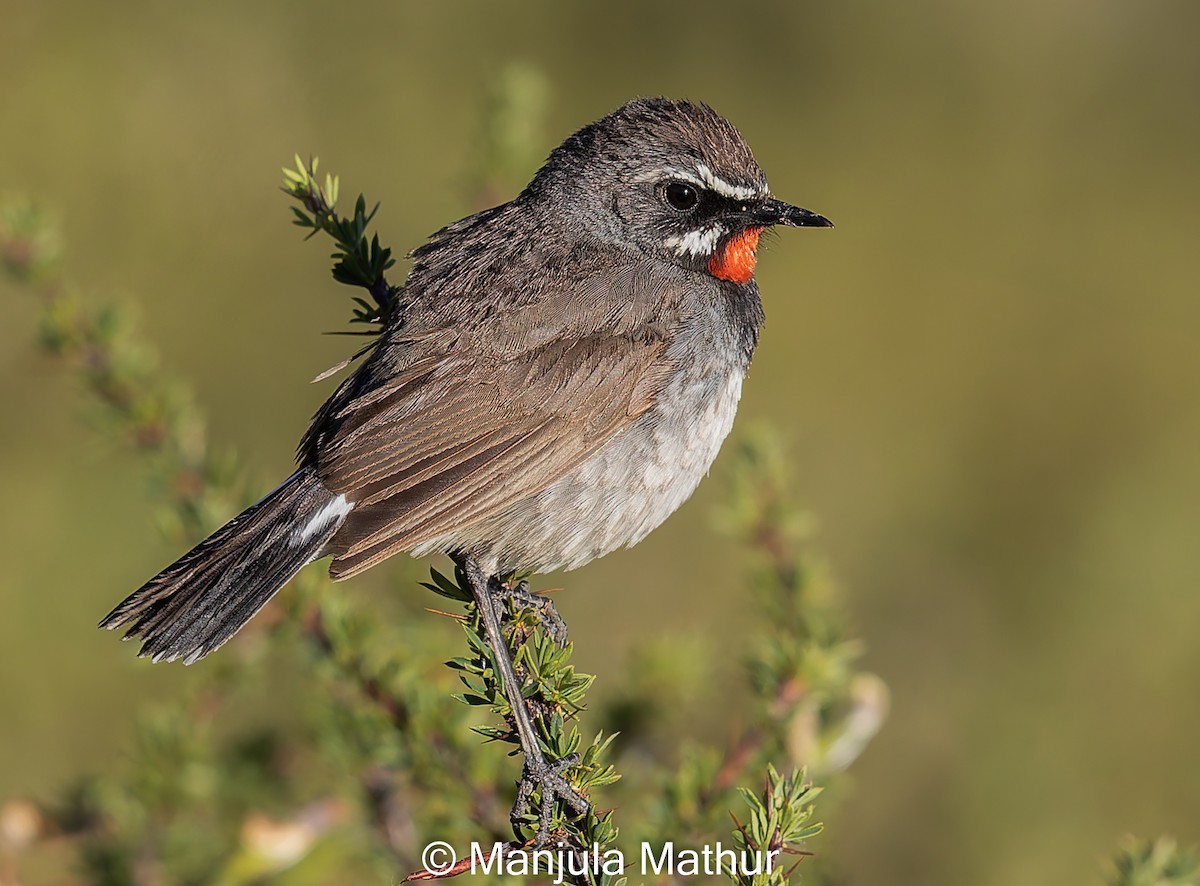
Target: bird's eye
(681,196)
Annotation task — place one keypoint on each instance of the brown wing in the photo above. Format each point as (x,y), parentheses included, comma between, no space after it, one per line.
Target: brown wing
(468,427)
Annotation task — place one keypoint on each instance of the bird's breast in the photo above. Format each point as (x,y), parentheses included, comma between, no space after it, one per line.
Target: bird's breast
(633,483)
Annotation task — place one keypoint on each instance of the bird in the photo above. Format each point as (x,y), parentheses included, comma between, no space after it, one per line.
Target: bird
(553,380)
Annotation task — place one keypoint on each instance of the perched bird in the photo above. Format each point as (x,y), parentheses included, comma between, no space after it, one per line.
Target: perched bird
(554,379)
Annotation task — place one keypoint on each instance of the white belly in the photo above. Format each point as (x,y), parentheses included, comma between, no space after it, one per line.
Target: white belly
(634,483)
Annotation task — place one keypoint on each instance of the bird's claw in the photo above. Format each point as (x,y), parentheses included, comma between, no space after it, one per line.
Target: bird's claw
(539,604)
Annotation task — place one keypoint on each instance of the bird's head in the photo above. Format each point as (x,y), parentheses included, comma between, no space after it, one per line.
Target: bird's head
(673,179)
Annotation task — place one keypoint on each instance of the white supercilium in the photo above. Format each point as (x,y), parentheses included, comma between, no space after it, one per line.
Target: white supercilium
(726,189)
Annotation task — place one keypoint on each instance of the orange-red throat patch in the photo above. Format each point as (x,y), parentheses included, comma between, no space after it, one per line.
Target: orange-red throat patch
(735,262)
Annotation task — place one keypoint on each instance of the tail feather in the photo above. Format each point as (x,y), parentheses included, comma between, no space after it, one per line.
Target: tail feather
(204,598)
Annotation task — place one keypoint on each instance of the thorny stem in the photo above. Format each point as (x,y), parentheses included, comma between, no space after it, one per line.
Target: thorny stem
(538,771)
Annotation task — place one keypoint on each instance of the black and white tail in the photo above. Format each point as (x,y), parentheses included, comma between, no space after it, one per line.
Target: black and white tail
(204,598)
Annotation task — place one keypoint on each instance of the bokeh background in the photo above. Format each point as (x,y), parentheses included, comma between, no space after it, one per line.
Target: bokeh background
(987,374)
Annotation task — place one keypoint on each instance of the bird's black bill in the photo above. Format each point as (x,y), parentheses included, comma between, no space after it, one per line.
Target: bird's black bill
(776,212)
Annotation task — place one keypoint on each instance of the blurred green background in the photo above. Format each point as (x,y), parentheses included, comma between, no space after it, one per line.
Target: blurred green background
(988,373)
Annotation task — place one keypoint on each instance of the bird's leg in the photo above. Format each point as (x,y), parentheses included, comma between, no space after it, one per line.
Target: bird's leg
(538,771)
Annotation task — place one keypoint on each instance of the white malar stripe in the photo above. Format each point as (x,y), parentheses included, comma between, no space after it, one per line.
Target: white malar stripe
(726,189)
(698,243)
(334,510)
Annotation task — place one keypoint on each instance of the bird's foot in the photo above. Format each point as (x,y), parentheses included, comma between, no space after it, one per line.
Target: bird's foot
(553,785)
(539,604)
